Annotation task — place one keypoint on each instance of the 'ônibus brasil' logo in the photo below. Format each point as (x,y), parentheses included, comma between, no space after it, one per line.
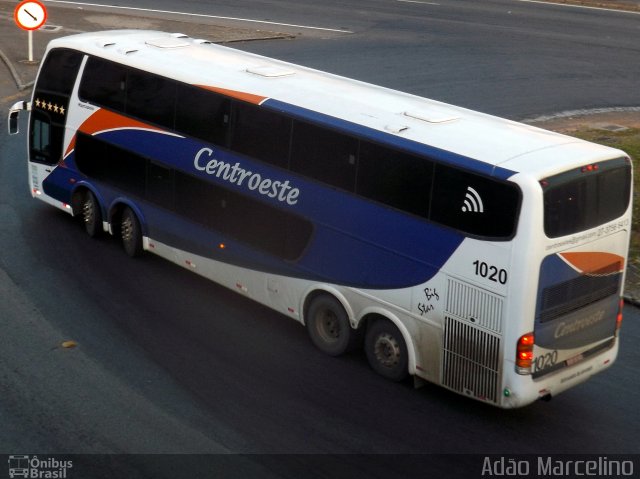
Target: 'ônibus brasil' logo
(236,175)
(34,467)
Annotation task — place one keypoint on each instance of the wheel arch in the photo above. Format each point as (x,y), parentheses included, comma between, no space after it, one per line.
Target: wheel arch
(319,290)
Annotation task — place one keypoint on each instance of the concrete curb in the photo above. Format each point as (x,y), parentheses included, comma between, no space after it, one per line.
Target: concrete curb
(16,78)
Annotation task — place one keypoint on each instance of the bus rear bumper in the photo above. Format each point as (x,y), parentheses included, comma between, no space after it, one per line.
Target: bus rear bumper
(520,390)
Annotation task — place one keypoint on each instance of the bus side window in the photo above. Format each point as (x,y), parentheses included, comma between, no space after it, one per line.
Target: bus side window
(160,180)
(262,226)
(108,163)
(202,114)
(325,155)
(395,178)
(261,133)
(104,84)
(151,98)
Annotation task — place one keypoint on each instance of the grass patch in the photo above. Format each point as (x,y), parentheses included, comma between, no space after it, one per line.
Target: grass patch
(627,140)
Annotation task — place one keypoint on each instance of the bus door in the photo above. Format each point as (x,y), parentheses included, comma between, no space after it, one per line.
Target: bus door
(49,110)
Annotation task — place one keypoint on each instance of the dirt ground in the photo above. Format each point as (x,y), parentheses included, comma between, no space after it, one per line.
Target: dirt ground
(629,5)
(590,120)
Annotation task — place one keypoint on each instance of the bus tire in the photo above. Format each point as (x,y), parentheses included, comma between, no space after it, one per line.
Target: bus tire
(386,350)
(328,326)
(90,214)
(130,233)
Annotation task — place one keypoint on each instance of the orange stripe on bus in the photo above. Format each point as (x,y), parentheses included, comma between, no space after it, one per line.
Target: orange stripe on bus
(594,262)
(70,148)
(239,95)
(104,120)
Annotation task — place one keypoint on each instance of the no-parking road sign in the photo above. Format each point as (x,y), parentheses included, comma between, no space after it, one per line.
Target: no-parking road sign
(30,14)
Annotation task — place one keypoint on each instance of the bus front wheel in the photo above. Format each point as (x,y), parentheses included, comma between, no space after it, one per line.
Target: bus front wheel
(131,233)
(328,326)
(386,350)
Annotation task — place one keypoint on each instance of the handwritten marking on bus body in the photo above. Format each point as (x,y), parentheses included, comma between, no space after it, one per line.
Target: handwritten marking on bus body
(235,174)
(431,295)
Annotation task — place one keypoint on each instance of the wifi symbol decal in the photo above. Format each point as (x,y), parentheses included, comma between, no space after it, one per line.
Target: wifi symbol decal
(472,202)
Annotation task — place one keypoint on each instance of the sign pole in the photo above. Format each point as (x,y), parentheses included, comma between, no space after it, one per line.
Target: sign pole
(30,46)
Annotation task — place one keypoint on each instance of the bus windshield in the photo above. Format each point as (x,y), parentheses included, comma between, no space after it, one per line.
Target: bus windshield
(586,197)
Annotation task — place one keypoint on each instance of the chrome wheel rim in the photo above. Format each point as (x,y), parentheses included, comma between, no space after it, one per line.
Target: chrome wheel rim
(387,350)
(88,212)
(127,229)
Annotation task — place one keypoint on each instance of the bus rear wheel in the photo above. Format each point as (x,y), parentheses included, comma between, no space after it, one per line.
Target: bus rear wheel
(91,217)
(130,233)
(328,326)
(386,350)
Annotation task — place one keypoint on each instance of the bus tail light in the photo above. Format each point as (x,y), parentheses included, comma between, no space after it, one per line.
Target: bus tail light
(619,316)
(589,168)
(524,354)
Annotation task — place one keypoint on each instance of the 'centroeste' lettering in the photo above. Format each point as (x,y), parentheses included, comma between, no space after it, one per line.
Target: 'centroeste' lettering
(236,175)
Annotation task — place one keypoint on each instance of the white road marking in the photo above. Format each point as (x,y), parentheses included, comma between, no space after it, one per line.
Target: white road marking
(200,15)
(416,1)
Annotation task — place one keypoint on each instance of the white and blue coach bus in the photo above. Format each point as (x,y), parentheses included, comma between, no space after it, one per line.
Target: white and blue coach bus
(473,252)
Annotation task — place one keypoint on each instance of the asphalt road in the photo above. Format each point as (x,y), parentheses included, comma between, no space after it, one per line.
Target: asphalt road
(506,57)
(166,362)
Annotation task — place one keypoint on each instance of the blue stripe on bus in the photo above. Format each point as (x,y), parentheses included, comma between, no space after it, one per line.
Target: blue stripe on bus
(395,141)
(355,242)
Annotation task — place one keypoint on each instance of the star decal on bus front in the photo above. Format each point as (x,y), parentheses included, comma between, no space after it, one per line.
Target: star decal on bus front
(54,107)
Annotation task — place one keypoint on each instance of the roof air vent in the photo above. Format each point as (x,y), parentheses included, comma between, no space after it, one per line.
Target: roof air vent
(270,71)
(127,50)
(168,42)
(396,128)
(105,43)
(430,116)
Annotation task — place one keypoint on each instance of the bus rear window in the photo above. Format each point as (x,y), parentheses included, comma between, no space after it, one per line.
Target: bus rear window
(586,197)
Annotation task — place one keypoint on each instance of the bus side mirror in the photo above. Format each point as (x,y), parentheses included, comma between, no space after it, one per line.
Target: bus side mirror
(14,113)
